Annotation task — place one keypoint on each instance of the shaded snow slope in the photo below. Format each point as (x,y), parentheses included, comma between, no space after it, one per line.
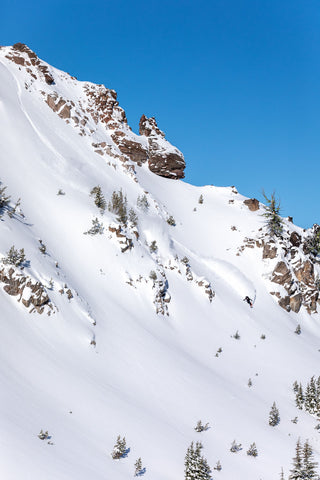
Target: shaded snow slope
(104,363)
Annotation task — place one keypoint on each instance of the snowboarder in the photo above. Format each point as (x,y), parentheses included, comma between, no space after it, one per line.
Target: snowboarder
(248,300)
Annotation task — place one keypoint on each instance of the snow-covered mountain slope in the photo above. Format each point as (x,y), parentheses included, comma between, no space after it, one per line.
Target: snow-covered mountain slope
(123,334)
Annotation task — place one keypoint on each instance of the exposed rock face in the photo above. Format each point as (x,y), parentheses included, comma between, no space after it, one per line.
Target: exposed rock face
(281,274)
(295,302)
(30,294)
(252,204)
(305,273)
(295,239)
(22,55)
(269,251)
(164,159)
(299,282)
(134,150)
(101,107)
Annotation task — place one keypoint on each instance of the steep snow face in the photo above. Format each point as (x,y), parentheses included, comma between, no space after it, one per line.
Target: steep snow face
(127,333)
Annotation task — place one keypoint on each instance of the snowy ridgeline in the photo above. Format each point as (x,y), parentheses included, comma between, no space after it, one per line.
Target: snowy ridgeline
(122,299)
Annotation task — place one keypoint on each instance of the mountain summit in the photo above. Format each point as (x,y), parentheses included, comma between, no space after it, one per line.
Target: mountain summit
(149,327)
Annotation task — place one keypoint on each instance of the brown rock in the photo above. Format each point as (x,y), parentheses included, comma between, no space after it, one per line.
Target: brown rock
(252,204)
(134,150)
(281,274)
(65,112)
(305,273)
(148,126)
(164,160)
(269,251)
(295,302)
(169,166)
(285,303)
(295,239)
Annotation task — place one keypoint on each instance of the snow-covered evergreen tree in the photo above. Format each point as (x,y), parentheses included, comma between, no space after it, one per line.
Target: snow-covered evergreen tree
(274,222)
(14,257)
(137,467)
(118,206)
(252,450)
(97,228)
(120,448)
(99,199)
(296,473)
(300,397)
(235,447)
(196,466)
(274,416)
(309,465)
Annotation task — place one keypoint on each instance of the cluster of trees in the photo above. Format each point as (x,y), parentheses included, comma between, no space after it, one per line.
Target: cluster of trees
(120,450)
(118,205)
(304,466)
(5,203)
(196,465)
(312,242)
(308,399)
(14,257)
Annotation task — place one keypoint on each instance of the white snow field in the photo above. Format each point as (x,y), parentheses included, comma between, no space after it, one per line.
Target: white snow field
(104,363)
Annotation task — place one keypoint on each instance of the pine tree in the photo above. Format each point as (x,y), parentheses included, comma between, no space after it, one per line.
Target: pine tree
(200,199)
(153,247)
(235,447)
(119,449)
(14,257)
(142,203)
(281,474)
(200,427)
(196,466)
(118,205)
(296,473)
(99,199)
(252,451)
(295,386)
(309,465)
(138,467)
(133,217)
(272,209)
(312,242)
(4,199)
(96,228)
(300,398)
(218,466)
(318,397)
(274,417)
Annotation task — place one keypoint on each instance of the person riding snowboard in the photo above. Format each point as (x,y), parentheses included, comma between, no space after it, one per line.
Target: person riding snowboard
(248,300)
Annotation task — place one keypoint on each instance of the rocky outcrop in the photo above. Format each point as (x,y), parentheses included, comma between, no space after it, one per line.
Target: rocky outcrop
(295,239)
(24,56)
(300,284)
(269,250)
(134,150)
(295,302)
(252,204)
(163,158)
(99,106)
(31,294)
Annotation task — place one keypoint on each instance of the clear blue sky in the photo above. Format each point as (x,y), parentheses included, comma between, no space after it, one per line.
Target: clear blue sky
(234,84)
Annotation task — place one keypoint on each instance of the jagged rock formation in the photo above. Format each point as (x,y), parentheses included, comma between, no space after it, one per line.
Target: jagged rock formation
(101,108)
(28,60)
(31,294)
(163,159)
(293,268)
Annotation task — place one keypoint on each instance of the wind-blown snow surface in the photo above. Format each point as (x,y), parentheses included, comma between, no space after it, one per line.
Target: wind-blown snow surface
(150,377)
